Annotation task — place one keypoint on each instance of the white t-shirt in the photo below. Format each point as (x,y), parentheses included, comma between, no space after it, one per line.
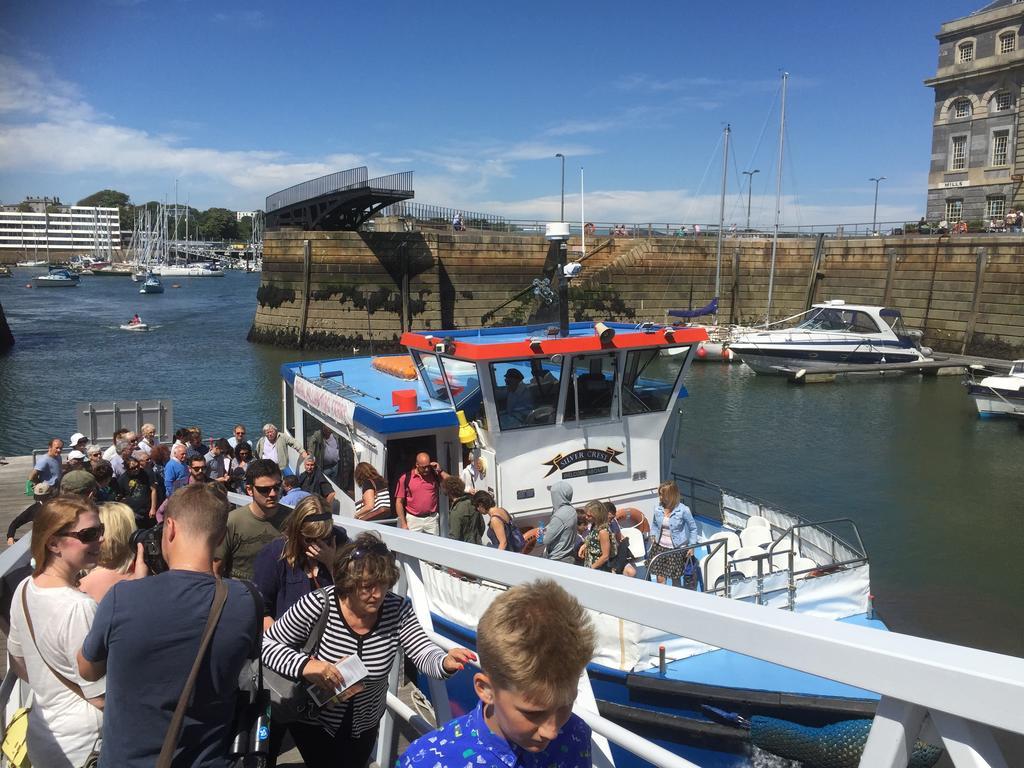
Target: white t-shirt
(270,450)
(63,727)
(110,453)
(474,480)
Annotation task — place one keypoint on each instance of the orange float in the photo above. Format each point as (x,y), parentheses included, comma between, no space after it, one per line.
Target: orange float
(400,366)
(631,517)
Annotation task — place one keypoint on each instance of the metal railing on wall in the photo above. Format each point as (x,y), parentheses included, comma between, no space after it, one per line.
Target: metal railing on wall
(332,182)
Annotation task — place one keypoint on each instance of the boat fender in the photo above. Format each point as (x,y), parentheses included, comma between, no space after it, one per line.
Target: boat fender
(530,537)
(701,352)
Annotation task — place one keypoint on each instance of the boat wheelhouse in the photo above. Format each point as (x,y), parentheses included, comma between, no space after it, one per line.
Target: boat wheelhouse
(590,408)
(833,333)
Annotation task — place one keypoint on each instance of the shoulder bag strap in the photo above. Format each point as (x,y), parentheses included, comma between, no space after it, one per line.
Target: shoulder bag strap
(71,686)
(220,597)
(257,649)
(321,624)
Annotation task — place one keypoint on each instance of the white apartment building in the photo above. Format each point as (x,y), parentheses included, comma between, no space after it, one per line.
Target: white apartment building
(74,228)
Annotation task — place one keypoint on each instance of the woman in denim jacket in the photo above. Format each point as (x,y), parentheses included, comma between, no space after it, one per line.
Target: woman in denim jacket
(673,531)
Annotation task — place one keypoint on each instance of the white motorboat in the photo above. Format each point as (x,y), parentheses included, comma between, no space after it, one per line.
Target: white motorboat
(152,285)
(57,278)
(187,270)
(138,327)
(999,395)
(833,333)
(33,263)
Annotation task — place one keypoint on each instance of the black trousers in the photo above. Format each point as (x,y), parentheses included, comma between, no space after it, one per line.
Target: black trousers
(343,750)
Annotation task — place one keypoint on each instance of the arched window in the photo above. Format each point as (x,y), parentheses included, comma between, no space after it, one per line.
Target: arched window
(961,108)
(965,52)
(1007,42)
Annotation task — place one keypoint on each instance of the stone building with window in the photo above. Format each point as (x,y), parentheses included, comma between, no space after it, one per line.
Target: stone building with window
(977,168)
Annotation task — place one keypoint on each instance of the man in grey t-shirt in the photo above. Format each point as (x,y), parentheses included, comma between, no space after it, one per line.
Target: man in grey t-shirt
(252,527)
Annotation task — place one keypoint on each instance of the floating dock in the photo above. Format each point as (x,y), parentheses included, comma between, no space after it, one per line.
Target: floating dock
(949,365)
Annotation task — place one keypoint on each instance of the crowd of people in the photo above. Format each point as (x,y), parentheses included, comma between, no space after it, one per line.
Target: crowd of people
(166,620)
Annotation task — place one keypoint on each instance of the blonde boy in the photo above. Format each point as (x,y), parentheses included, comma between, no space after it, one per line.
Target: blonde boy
(533,642)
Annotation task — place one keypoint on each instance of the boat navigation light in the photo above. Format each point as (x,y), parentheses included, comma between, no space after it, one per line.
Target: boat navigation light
(535,346)
(604,333)
(670,335)
(647,327)
(572,269)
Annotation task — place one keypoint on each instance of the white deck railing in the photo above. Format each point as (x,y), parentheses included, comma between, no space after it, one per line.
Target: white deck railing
(945,693)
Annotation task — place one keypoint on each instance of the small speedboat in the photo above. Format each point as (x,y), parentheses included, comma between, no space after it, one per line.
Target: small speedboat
(57,278)
(998,395)
(152,285)
(5,271)
(833,334)
(135,327)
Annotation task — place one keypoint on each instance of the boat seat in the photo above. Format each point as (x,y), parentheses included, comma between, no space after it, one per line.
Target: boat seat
(713,569)
(742,563)
(756,520)
(780,559)
(757,536)
(634,539)
(731,539)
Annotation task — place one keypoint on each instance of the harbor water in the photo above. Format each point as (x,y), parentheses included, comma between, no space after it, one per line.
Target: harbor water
(937,494)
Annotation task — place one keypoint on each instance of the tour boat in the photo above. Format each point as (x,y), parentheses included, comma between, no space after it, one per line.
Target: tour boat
(152,285)
(57,277)
(833,333)
(998,395)
(595,405)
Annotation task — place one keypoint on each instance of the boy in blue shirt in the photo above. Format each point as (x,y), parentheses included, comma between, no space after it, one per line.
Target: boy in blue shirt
(533,642)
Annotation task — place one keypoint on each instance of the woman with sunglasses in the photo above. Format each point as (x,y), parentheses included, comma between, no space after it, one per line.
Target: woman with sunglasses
(364,618)
(240,463)
(50,618)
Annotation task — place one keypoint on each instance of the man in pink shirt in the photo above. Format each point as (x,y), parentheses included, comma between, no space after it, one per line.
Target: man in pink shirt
(416,495)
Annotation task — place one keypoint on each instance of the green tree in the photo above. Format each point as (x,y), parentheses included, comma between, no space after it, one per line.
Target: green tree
(218,224)
(244,229)
(106,198)
(24,207)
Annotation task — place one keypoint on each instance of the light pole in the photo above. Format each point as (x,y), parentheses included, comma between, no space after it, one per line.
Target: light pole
(750,189)
(874,215)
(559,154)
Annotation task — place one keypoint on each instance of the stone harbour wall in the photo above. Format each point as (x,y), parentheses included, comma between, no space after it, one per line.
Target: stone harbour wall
(352,290)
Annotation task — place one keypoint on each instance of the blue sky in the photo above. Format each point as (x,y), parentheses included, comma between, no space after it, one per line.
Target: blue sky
(238,100)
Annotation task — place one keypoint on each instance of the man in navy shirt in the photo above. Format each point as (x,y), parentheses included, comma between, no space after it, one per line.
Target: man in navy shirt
(146,636)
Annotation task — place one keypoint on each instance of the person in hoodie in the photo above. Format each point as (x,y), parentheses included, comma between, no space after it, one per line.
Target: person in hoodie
(560,531)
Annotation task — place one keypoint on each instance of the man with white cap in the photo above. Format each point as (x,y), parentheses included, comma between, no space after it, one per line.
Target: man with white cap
(76,460)
(40,493)
(78,442)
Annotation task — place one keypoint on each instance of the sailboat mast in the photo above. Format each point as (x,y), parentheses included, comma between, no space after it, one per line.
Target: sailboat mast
(721,214)
(778,199)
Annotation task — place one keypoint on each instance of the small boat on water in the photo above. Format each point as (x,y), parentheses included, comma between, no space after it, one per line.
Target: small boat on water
(33,263)
(998,395)
(135,325)
(111,271)
(152,285)
(833,333)
(5,271)
(57,277)
(188,270)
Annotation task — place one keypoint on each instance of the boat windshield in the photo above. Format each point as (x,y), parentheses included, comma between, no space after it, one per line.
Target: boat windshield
(594,377)
(896,323)
(430,374)
(1017,368)
(839,319)
(649,380)
(525,392)
(464,384)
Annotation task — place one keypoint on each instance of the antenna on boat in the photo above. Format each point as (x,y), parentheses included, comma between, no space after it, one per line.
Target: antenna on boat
(558,232)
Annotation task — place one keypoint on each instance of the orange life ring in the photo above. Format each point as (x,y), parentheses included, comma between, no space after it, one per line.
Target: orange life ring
(631,517)
(401,366)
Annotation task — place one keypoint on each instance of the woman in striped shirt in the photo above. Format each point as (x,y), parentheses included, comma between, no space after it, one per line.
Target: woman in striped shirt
(375,503)
(366,619)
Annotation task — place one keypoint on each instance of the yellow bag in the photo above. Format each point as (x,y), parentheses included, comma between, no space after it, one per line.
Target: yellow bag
(15,745)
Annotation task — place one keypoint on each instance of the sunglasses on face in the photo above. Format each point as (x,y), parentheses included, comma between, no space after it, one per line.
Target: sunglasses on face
(86,535)
(198,469)
(266,490)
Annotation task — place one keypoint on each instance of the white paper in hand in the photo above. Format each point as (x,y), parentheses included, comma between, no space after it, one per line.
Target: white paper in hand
(352,672)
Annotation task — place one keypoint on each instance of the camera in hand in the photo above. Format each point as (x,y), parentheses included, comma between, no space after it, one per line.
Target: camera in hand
(152,554)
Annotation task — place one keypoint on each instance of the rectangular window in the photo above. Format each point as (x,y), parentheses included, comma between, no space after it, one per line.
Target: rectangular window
(592,387)
(995,207)
(1000,142)
(1003,102)
(954,211)
(525,392)
(650,378)
(962,109)
(958,155)
(1008,43)
(966,53)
